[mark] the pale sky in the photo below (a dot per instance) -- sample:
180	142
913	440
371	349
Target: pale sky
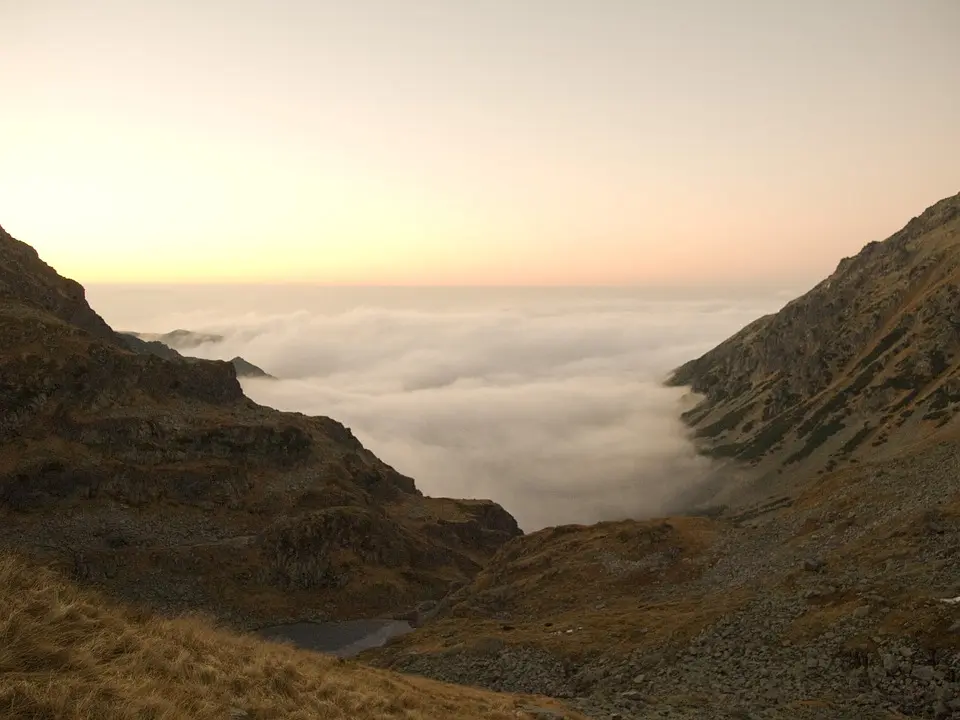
472	141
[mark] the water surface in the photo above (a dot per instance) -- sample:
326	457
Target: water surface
343	639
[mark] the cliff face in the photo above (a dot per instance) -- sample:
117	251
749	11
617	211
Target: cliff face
861	365
160	481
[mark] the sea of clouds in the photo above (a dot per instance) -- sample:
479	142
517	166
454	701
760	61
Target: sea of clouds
552	405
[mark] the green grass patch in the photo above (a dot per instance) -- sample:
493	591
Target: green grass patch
855	442
727	422
887	342
819	436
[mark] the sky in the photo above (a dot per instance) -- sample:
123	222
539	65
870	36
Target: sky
456	142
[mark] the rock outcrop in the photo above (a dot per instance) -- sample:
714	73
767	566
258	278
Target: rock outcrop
164	348
863	365
159	481
26	280
247	369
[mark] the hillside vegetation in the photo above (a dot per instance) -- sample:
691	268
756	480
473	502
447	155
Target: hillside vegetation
70	654
864	364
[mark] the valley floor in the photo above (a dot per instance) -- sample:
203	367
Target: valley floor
828	604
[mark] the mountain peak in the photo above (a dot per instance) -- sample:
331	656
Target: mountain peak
861	364
26	279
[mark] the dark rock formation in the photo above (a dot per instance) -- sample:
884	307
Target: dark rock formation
26	280
186	339
154	477
163	349
248	369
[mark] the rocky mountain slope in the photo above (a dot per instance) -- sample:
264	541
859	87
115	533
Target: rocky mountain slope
161	482
837	605
861	366
828	588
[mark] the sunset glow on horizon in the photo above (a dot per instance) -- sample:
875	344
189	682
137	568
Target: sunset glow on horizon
447	142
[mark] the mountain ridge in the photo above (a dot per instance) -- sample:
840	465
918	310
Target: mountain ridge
160	345
805	582
160	482
25	278
868	354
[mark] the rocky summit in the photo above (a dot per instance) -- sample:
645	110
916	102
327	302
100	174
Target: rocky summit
158	481
827	582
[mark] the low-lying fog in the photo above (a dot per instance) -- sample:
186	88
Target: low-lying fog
548	401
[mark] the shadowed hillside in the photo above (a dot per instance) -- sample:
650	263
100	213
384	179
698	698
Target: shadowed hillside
160	481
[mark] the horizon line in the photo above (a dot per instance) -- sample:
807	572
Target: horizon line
731	283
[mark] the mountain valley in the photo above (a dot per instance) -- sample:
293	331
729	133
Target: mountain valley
817	576
158	480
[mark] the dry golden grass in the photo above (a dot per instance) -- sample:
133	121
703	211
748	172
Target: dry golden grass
65	653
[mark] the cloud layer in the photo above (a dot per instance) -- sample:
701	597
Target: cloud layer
552	406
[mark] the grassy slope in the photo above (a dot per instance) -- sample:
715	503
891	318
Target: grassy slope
65	653
626	586
600	579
